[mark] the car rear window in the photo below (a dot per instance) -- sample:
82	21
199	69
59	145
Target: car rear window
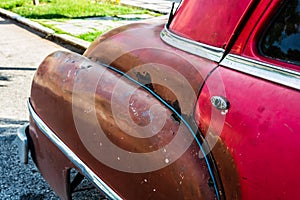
281	41
209	21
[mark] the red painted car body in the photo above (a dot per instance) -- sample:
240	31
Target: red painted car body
228	104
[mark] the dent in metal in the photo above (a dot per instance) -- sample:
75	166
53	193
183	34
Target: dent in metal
87	172
190	46
263	70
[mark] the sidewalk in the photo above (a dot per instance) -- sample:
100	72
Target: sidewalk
81	26
160	6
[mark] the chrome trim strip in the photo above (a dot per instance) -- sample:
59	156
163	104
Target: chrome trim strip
263	70
190	46
87	172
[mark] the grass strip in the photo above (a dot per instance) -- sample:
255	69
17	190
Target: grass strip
62	10
69	9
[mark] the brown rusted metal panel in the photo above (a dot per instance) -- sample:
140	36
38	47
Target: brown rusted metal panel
186	178
52	163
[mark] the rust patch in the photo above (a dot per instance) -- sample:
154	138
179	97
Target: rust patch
145	80
227	170
176	106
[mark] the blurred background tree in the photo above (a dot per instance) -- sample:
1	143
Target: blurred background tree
36	2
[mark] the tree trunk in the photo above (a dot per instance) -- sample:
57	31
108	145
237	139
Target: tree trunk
36	2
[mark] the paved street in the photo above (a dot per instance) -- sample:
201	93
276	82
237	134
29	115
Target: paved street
20	53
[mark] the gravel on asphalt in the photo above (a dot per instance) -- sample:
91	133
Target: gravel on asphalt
20	181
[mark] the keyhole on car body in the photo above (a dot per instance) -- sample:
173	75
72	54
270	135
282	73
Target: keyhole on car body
220	103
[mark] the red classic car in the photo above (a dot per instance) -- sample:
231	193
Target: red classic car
202	106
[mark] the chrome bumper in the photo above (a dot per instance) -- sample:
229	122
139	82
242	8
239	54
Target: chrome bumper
22	142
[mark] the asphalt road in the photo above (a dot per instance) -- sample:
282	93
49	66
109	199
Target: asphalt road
20	53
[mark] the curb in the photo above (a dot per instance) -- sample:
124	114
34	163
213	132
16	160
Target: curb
144	7
72	43
161	9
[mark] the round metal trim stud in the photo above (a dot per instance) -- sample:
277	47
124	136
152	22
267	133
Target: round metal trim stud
220	103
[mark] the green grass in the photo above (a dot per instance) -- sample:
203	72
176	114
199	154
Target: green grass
11	4
57	30
90	36
61	10
68	9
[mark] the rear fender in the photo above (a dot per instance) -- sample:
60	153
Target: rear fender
124	133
